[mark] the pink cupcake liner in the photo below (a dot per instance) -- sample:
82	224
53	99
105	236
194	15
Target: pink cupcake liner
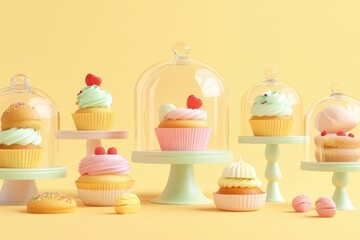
239	203
183	139
101	197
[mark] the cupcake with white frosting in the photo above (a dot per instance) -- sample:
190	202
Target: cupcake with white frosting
239	189
271	114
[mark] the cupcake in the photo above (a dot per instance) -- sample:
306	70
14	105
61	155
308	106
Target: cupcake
335	142
94	111
271	115
239	189
104	177
19	138
183	129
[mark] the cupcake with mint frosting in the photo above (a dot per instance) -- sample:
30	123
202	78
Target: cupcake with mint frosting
94	111
271	114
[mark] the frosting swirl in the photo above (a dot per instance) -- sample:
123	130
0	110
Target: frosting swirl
186	114
271	103
336	118
21	136
239	182
239	169
104	164
93	96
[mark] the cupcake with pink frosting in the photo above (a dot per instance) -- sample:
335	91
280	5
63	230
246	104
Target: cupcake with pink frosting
337	141
104	177
183	129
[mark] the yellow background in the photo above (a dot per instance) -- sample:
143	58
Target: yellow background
56	43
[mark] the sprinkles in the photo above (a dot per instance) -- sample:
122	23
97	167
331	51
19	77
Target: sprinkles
51	196
15	105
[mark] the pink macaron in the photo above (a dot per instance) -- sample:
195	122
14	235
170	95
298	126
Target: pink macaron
301	203
325	207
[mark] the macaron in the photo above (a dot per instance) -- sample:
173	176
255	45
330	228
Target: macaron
128	203
51	203
325	207
301	203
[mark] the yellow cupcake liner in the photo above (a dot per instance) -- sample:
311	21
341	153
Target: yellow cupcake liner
93	121
105	185
20	158
276	127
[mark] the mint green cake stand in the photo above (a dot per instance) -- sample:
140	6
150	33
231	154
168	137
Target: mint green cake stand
272	155
181	187
19	183
340	179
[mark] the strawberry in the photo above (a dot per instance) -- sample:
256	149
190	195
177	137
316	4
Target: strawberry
351	135
341	133
265	95
112	150
323	133
193	102
99	151
91	79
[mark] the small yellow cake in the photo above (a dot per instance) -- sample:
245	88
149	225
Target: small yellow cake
51	203
127	203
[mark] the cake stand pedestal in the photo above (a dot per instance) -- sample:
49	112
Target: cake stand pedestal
19	183
340	179
93	138
181	187
272	155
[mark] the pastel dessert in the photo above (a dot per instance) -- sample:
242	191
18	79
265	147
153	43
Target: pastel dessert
325	207
333	144
51	203
301	203
19	139
104	177
183	129
239	189
271	114
128	203
94	111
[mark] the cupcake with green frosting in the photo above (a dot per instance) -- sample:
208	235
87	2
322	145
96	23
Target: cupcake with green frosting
94	111
20	139
271	114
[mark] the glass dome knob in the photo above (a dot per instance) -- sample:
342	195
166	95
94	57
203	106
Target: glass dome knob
337	87
270	74
20	82
181	50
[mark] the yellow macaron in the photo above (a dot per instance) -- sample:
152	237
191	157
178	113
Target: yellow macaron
51	203
127	203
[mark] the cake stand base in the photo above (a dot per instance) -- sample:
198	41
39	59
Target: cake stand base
272	155
181	187
17	192
340	179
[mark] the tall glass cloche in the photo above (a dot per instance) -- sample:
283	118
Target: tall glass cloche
29	124
271	108
333	127
181	105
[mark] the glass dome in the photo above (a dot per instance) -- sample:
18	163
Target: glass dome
333	127
29	124
271	108
188	98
